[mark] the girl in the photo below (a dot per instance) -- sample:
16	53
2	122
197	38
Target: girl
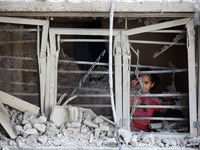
149	81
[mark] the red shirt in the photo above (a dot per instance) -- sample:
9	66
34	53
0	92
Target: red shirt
143	112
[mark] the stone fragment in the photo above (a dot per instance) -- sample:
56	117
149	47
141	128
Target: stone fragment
18	129
97	132
51	131
98	120
71	131
133	142
25	122
84	130
32	139
89	123
104	127
89	112
40	127
64	114
39	120
27	126
42	139
91	138
20	142
12	143
111	142
169	141
126	135
149	138
29	132
27	114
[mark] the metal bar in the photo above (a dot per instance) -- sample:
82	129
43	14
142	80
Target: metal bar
159	118
23	83
81	62
161	71
84	40
18	42
159	106
18	30
83	72
14	57
92	106
155	42
24	94
161	95
168	31
18	69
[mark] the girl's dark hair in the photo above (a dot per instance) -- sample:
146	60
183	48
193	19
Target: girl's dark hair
153	77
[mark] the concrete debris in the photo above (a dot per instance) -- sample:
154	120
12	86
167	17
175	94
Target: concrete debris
83	131
133	142
40	127
64	114
89	123
126	135
149	138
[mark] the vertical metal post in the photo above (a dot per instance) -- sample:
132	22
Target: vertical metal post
192	76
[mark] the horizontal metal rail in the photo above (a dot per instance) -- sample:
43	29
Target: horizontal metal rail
17	42
18	69
15	57
159	118
130	41
162	95
81	62
168	31
160	106
155	42
83	72
24	94
160	71
18	30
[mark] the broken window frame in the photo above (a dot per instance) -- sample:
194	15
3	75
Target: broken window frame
121	57
122	49
41	48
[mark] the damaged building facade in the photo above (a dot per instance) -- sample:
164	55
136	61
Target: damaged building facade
56	57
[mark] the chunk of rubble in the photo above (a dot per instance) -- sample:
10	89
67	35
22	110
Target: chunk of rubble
104	127
97	132
40	127
87	112
98	120
126	135
27	126
29	132
89	122
69	131
64	114
110	142
133	142
42	139
169	141
18	129
149	138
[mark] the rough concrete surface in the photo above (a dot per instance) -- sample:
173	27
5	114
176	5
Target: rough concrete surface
70	131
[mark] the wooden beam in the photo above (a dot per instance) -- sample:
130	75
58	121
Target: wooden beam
17	103
192	77
118	78
5	122
126	57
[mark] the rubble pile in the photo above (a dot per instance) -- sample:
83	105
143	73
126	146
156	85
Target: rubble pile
76	127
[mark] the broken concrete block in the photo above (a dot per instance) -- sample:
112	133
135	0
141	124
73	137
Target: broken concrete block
91	138
12	143
39	120
98	120
51	131
74	125
111	132
40	127
84	130
149	138
63	114
29	132
111	142
126	135
133	142
20	142
18	129
25	122
27	126
27	114
89	123
42	139
71	131
104	127
170	142
87	112
97	132
32	139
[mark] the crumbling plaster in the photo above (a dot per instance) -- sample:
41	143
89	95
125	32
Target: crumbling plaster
96	5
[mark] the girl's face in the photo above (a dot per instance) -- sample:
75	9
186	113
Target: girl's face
146	82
